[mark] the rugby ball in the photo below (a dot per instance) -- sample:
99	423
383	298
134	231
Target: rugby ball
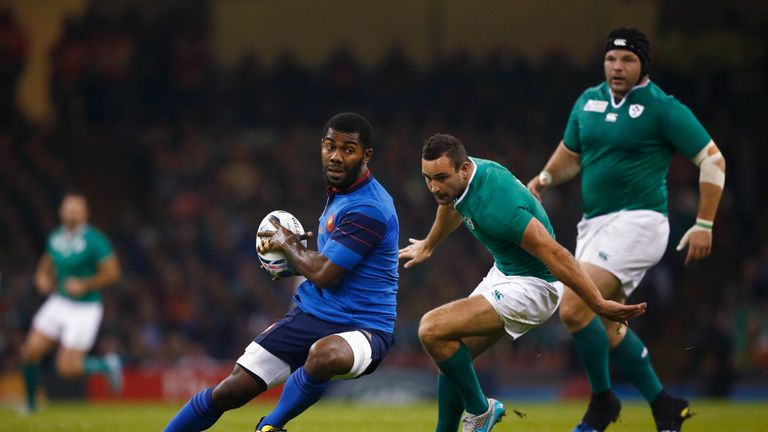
275	262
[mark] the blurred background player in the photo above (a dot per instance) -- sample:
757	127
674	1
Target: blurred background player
621	136
521	291
343	321
77	264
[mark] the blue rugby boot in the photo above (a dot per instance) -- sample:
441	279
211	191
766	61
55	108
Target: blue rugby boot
484	422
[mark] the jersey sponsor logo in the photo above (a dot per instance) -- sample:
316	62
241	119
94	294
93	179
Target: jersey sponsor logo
636	110
611	117
329	224
595	105
468	222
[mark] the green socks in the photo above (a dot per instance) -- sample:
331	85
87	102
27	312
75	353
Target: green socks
449	405
461	372
592	345
31	374
632	358
96	365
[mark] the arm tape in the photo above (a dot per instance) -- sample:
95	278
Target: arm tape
710	172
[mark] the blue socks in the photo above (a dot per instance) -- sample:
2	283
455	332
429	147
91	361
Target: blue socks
299	393
197	415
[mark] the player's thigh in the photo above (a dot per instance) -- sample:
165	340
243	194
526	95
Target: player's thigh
70	361
607	283
36	346
471	316
574	311
331	355
368	347
480	344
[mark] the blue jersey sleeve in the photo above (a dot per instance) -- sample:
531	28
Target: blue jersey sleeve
358	231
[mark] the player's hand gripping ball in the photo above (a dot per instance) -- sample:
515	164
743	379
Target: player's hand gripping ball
272	261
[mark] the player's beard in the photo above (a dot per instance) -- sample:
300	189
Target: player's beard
351	175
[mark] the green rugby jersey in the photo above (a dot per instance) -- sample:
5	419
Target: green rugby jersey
77	254
626	149
496	208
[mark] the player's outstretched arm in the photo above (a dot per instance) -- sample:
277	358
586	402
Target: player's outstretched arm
310	264
44	275
698	238
539	243
562	166
446	220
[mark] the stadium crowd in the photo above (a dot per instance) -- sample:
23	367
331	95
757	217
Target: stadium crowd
181	160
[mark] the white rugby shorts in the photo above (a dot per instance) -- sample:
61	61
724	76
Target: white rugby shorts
522	302
626	243
75	324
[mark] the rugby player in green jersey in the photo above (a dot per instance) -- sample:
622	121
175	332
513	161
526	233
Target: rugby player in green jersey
78	262
621	136
521	291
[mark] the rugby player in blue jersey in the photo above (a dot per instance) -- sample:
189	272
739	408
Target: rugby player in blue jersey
343	321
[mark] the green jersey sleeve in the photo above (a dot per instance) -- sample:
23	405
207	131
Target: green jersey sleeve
101	248
683	129
509	225
571	135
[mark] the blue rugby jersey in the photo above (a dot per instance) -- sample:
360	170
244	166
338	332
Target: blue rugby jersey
358	232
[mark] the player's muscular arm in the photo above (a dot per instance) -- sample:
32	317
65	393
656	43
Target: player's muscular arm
311	264
447	220
107	274
44	275
538	242
562	166
711	183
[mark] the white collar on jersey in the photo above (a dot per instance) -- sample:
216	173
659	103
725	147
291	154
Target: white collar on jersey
472	176
76	231
618	105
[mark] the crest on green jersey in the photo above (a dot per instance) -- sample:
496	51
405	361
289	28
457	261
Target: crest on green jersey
468	222
636	110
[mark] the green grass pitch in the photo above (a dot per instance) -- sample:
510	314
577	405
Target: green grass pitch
324	417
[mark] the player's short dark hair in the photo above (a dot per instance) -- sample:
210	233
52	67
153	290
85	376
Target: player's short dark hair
631	39
444	144
351	122
74	192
